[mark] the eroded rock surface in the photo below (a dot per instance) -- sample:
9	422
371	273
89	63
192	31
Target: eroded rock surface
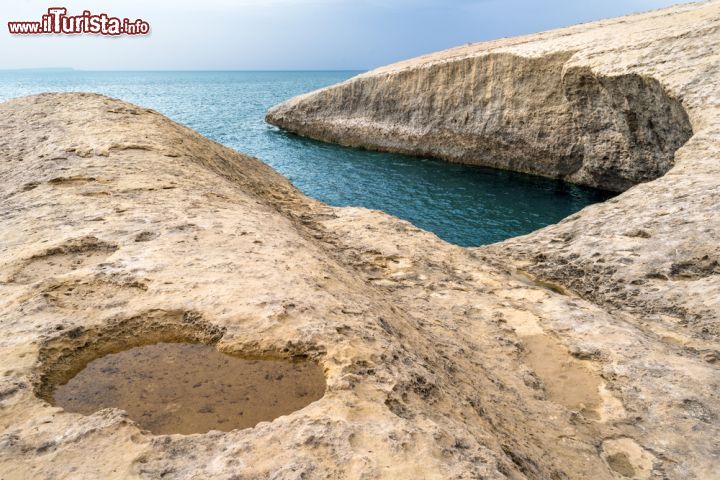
630	104
601	104
610	104
120	228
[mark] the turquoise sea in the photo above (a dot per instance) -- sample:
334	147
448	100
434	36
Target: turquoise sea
465	205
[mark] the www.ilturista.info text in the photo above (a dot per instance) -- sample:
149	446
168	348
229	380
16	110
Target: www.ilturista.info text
57	21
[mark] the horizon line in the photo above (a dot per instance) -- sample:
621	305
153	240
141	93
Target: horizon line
64	69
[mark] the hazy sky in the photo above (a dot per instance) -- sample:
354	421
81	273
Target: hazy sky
288	34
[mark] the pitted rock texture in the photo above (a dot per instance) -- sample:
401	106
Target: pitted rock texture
438	364
118	225
628	104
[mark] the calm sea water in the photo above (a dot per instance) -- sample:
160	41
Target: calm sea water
465	205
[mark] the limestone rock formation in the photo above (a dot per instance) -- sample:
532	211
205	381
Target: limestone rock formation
602	104
585	350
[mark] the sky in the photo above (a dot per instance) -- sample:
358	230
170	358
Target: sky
287	34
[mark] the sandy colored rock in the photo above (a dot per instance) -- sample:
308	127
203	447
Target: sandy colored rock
120	228
612	104
602	104
629	104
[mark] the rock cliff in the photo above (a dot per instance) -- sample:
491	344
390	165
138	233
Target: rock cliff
585	350
602	104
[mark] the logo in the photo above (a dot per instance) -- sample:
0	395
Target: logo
58	22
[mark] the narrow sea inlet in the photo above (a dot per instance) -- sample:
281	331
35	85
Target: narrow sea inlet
465	205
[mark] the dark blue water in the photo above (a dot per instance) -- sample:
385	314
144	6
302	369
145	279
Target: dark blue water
464	205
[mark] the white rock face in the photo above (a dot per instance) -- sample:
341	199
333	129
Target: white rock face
586	350
602	104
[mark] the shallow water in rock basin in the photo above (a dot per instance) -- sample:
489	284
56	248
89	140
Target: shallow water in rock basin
462	204
189	388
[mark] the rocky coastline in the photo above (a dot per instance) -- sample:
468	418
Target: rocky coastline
586	350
